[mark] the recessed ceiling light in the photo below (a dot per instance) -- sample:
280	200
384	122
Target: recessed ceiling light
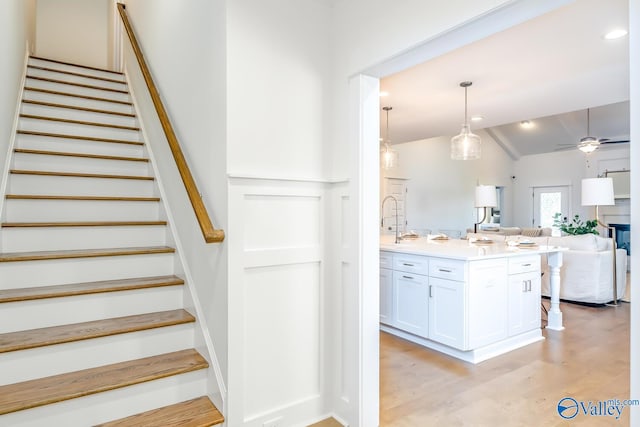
383	93
476	118
527	124
615	34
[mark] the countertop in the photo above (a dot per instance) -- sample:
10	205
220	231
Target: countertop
461	249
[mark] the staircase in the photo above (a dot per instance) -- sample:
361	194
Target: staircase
93	326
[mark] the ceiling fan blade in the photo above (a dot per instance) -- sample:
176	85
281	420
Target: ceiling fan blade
620	141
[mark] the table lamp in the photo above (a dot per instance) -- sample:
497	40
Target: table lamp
599	192
485	198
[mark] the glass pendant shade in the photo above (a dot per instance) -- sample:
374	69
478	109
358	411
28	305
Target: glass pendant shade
388	157
466	145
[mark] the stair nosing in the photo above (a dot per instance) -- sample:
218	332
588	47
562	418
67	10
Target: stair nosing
87	288
82	224
80	175
81	198
83	253
113	376
78	122
80	137
75	95
62	334
87	76
160	416
88	67
83	155
84	86
76	107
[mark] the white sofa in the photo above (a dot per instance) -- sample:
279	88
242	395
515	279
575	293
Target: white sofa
586	275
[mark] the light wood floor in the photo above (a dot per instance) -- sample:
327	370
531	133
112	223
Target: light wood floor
589	360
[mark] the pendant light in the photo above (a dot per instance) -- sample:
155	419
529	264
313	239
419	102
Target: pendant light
388	157
466	145
588	144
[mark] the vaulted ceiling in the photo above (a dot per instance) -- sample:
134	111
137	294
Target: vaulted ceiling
548	70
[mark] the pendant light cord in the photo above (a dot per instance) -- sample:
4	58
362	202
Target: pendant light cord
465	106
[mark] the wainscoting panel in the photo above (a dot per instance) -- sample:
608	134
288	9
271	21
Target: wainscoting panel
277	293
282	336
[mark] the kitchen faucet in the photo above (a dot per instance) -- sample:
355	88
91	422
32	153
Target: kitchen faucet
382	216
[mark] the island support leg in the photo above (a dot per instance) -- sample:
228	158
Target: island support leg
555	315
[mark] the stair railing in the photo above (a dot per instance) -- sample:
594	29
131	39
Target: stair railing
210	234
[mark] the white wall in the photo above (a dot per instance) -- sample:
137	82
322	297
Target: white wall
184	45
565	168
74	31
16	30
278	88
441	191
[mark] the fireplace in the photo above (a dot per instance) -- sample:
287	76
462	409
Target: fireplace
623	236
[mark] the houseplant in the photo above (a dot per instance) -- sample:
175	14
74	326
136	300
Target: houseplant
576	226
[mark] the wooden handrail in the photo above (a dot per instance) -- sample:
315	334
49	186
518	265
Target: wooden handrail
211	235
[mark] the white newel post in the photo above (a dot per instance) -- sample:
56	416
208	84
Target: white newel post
555	315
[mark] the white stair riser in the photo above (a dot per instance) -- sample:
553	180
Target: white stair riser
19	239
18	366
37	142
74	69
78	90
36	125
36	184
17	210
77	79
78	102
55	272
25	315
73	114
51	163
114	404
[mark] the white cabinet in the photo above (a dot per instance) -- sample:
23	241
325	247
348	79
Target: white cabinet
487	302
411	303
386	296
446	312
524	302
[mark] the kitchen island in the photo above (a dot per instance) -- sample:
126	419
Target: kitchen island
470	300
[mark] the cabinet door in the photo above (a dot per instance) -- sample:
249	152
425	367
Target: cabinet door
446	312
523	303
411	303
386	296
487	303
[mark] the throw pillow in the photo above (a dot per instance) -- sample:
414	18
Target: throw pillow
531	232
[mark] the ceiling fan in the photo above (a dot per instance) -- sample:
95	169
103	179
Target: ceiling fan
589	144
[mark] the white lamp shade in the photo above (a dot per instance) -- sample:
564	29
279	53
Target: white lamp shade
597	192
486	196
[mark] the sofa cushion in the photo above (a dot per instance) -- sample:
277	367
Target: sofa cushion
582	242
531	232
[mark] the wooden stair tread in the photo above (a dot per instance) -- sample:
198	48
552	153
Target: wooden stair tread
82	224
83	253
70	73
198	412
82	85
78	122
75	65
84	138
75	107
80	175
75	95
82	198
87	288
83	155
57	388
23	340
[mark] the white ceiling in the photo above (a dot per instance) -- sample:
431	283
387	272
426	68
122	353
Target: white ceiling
549	66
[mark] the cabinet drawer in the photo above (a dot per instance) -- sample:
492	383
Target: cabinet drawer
411	263
524	264
386	260
447	269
